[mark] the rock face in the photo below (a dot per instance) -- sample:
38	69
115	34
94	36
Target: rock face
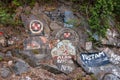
33	43
110	77
2	40
56	15
29	57
55	26
26	78
94	59
70	20
20	67
8	55
1	56
112	38
51	68
63	56
68	34
5	72
88	46
36	24
99	64
56	42
114	58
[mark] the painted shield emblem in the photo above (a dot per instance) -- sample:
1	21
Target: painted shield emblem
63	54
36	26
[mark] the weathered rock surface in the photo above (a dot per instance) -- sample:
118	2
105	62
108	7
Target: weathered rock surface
2	55
63	55
58	24
101	67
112	38
20	67
5	72
55	26
28	56
113	57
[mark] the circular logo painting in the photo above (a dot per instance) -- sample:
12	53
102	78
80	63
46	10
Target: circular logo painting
68	34
36	26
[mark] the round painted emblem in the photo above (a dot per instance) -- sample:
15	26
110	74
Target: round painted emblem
68	34
36	26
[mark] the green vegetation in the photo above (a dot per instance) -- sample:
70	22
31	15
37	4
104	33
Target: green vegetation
74	22
1	58
96	12
7	13
116	10
99	14
35	51
8	10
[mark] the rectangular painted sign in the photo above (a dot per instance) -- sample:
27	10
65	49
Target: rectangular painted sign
94	59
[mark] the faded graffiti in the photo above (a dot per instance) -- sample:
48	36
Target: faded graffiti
115	59
67	68
64	47
32	43
63	54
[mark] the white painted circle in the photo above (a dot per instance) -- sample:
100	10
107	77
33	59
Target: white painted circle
41	26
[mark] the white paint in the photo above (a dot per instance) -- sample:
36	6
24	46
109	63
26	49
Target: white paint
88	45
63	48
2	40
92	56
115	58
10	42
27	78
63	59
33	45
66	68
40	24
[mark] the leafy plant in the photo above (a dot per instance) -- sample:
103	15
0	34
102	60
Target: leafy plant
98	19
97	13
116	10
1	58
73	22
7	11
7	18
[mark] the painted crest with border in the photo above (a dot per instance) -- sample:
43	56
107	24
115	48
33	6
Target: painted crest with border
36	27
68	34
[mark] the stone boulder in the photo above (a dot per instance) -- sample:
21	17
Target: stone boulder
5	72
20	67
28	56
